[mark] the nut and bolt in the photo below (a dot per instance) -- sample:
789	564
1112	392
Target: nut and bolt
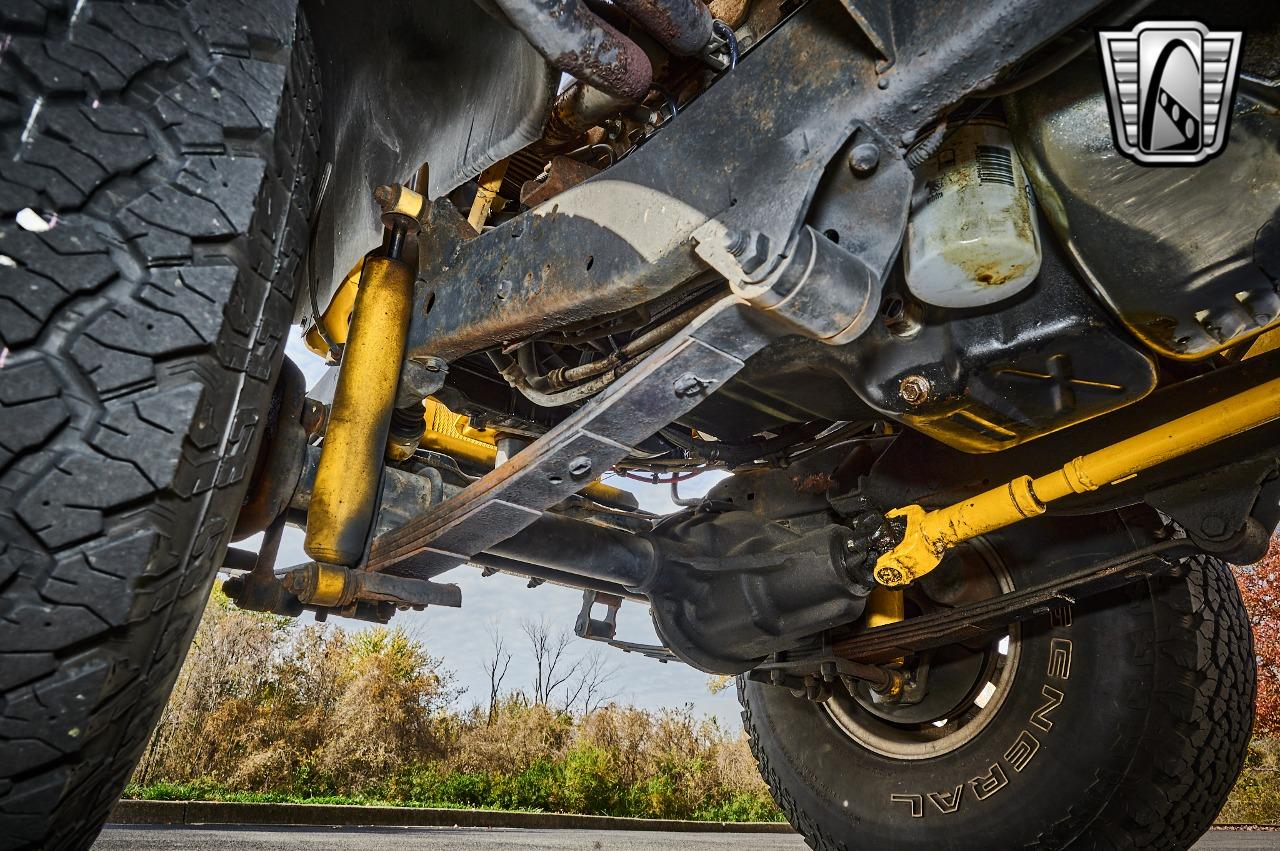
431	363
914	389
580	467
736	242
864	158
750	247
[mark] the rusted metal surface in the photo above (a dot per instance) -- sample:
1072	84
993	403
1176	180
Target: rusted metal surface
280	456
681	26
259	590
667	383
331	586
563	173
580	43
576	110
732	12
813	483
623	238
405	82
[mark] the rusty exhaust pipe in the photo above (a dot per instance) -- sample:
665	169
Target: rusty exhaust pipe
579	42
683	27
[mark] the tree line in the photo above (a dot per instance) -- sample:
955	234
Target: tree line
266	710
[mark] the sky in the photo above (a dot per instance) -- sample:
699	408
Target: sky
462	637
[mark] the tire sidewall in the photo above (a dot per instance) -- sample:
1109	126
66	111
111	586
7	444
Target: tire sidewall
1040	768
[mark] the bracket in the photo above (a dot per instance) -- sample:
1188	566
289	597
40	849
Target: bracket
605	630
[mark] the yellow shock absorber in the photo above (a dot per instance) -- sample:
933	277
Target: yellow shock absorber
929	534
885	607
350	470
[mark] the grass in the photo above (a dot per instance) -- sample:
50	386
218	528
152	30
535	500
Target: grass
1256	796
1254	800
730	811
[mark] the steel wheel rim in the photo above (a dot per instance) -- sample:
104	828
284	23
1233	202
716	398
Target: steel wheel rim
974	711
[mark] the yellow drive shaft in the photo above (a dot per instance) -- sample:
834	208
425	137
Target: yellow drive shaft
929	534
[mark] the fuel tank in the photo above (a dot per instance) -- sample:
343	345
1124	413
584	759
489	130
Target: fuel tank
1187	257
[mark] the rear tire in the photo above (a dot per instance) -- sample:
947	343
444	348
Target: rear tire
1124	725
170	149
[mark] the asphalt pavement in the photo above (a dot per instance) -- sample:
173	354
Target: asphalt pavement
186	838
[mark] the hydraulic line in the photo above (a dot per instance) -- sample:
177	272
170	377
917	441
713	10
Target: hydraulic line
571	384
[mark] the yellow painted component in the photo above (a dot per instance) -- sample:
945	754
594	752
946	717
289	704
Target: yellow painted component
1265	342
453	435
350	469
608	494
885	606
929	534
397	451
487	186
330	585
337	316
399	199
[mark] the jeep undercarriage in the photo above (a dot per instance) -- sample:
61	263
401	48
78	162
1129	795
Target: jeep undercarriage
996	401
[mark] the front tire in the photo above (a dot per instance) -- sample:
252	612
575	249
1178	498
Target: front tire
156	171
1121	722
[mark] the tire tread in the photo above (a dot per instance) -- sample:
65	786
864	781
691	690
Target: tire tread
173	149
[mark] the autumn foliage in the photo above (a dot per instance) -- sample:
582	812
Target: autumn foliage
265	710
1260	587
268	709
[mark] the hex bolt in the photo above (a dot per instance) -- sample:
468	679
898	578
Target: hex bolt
914	389
750	247
431	363
580	467
864	158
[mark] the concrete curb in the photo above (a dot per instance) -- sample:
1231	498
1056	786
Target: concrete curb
218	812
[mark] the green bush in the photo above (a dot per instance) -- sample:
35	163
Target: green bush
738	807
589	783
263	711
